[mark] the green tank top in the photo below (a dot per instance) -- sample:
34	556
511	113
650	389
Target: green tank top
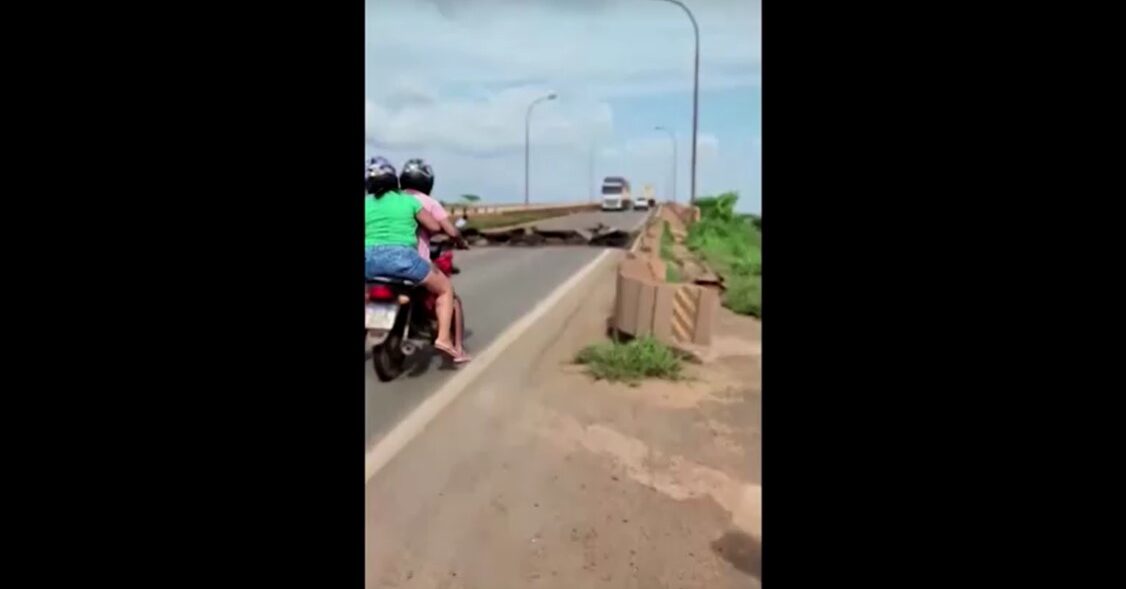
390	219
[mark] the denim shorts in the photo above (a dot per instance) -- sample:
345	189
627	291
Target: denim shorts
395	261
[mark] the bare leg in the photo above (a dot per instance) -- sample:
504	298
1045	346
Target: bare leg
437	283
459	330
459	324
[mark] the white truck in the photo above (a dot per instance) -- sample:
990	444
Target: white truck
615	194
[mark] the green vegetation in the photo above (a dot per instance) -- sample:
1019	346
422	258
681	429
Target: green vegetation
667	243
672	270
732	244
632	361
672	274
756	220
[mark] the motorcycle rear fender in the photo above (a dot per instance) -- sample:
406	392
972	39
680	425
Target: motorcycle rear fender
375	337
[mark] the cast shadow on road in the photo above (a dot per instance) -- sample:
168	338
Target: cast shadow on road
742	551
421	364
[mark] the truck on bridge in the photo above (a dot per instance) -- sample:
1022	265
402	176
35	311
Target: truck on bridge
646	201
615	194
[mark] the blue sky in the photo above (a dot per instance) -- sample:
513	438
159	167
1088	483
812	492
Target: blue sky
450	81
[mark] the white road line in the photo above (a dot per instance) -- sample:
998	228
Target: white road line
417	420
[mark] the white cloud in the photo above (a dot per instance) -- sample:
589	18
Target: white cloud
660	146
648	147
640	46
450	80
493	125
706	145
407	91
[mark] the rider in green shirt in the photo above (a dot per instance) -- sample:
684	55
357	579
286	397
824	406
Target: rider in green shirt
391	221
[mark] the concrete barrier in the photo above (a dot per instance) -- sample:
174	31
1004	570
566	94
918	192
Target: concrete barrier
674	313
678	314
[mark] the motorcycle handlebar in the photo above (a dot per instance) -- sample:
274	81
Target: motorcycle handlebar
437	247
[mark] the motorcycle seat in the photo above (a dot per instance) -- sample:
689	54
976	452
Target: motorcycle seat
390	280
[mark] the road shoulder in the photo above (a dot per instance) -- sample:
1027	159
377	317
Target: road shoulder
541	477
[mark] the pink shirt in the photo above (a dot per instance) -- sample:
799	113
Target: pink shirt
435	209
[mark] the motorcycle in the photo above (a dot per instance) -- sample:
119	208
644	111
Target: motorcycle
400	316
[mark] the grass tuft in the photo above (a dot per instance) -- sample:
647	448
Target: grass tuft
672	270
632	361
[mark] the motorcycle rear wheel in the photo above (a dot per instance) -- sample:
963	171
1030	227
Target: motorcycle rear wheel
387	358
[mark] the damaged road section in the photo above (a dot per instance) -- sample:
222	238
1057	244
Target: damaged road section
599	235
591	228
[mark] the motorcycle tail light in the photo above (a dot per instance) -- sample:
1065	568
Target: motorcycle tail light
380	292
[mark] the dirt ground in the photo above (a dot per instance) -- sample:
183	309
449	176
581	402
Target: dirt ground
545	478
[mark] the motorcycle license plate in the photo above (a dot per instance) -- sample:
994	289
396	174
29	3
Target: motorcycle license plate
380	315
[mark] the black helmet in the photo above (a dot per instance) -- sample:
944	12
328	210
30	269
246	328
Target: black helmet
417	175
380	177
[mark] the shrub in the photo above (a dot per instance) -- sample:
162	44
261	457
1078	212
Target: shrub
732	245
631	361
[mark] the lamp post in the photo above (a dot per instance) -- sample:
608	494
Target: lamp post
527	136
673	137
695	92
590	182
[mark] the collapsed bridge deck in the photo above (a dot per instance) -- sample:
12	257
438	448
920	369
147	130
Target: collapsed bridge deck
602	229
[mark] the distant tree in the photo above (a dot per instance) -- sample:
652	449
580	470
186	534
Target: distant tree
470	197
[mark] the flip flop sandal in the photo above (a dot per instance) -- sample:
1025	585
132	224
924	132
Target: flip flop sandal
450	352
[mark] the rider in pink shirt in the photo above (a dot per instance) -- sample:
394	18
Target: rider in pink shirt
417	180
436	210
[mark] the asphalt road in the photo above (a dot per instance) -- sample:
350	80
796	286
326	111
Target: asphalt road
497	285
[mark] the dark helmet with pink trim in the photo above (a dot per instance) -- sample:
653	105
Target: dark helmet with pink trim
380	176
417	175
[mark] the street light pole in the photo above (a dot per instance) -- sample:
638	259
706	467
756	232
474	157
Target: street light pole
527	137
590	182
695	92
672	136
